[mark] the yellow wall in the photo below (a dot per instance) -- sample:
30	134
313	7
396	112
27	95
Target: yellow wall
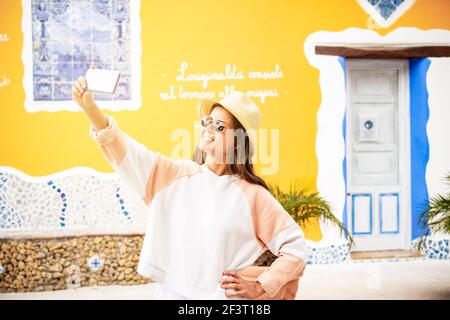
253	34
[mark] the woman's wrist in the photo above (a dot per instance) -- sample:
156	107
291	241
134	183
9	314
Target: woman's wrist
90	106
259	289
98	119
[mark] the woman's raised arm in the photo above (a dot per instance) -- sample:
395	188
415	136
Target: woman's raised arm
132	160
85	99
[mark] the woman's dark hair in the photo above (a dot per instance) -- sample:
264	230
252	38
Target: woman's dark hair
243	168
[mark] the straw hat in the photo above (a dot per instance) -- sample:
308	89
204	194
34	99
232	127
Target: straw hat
240	106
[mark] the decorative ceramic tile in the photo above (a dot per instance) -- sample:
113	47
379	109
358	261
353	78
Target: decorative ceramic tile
81	202
329	254
67	36
386	12
435	247
72	201
95	263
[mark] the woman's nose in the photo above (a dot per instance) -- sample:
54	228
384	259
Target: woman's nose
209	129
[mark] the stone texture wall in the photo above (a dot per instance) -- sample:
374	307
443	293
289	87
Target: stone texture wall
61	263
71	262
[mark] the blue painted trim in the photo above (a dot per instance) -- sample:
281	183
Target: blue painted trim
62	216
122	204
353	213
380	212
342	62
419	113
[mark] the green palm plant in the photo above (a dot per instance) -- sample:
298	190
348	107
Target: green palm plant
303	204
436	218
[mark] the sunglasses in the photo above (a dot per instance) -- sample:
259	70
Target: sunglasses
218	126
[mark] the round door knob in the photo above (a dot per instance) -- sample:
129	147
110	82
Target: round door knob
368	124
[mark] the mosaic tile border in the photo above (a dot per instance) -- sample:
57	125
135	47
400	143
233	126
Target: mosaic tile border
335	253
436	248
72	202
386	12
81	201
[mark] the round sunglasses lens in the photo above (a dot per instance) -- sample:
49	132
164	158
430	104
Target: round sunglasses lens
219	127
206	121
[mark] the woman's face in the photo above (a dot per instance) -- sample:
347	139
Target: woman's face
215	143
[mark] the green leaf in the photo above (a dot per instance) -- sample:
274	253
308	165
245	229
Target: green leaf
436	217
303	204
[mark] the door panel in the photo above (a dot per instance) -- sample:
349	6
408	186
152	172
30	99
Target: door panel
362	214
375	149
389	213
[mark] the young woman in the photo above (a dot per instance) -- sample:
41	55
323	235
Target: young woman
209	219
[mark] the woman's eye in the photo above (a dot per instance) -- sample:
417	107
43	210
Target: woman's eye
219	127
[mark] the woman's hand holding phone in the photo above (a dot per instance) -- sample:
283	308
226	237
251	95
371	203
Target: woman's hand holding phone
85	99
81	95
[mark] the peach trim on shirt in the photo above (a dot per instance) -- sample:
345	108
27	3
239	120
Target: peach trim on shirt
280	280
286	292
112	141
269	217
165	171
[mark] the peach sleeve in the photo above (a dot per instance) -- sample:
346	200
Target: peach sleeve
283	237
111	140
129	158
146	171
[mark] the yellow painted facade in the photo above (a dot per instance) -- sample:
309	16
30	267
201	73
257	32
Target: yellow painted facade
252	35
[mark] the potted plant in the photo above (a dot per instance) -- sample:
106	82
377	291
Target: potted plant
302	204
436	217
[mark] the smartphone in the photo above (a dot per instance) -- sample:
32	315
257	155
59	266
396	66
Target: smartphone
102	81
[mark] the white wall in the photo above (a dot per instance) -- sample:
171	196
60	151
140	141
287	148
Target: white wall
330	142
438	126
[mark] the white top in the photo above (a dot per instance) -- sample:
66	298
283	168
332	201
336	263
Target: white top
201	224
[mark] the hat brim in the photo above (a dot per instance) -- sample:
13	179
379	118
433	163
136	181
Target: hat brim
205	107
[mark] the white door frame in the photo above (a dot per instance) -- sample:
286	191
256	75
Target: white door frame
381	242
